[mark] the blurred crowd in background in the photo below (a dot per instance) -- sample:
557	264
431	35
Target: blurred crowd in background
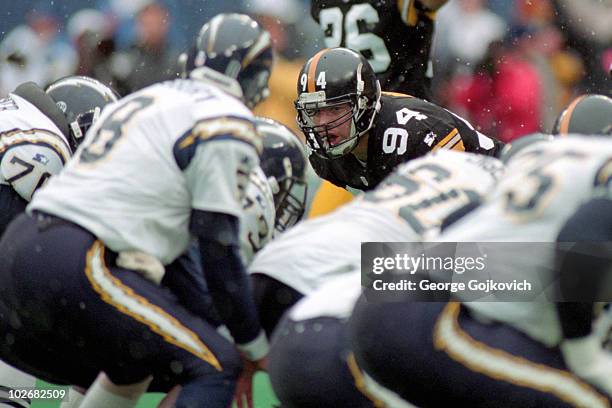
507	66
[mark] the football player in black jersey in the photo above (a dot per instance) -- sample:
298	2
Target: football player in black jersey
358	134
394	35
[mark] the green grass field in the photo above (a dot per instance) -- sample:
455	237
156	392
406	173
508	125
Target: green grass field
264	397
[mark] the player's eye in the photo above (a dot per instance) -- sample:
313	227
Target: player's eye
341	109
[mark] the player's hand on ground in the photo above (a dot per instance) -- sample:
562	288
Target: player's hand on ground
244	386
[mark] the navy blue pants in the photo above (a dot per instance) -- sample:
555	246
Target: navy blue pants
11	205
68	312
311	365
436	354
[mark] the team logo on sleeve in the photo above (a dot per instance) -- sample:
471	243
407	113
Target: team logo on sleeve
41	158
430	138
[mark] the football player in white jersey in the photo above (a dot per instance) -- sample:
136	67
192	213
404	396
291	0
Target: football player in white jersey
185	277
39	130
529	353
313	339
274	201
165	164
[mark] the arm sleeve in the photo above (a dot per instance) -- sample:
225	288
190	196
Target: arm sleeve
218	175
226	277
27	167
185	278
272	299
473	140
586	266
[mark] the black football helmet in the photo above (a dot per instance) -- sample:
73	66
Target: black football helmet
336	77
283	160
235	53
81	99
586	115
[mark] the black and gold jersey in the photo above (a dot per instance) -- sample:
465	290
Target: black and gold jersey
404	128
394	35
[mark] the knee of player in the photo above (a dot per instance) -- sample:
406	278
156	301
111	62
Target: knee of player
224	362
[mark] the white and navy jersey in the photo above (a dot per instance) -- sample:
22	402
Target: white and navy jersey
152	158
32	147
543	187
410	202
257	221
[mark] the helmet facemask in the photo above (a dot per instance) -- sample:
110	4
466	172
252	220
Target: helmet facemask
318	136
81	124
283	161
362	113
290	193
